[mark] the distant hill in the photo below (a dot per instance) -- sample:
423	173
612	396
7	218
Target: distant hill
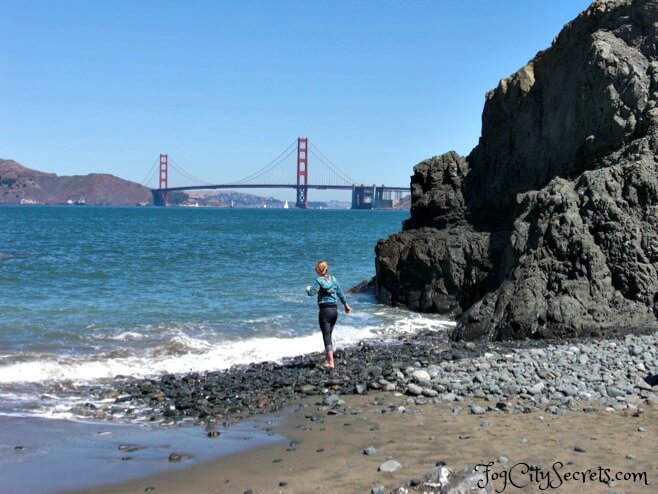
230	198
19	184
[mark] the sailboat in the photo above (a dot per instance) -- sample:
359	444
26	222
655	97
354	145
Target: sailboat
285	205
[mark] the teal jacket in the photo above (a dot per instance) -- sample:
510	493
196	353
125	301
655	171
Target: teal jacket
327	289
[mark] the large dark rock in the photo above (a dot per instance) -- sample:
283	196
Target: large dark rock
549	227
436	195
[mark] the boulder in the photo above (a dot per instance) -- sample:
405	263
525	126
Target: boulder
548	229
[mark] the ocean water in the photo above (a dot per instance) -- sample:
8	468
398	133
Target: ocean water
90	293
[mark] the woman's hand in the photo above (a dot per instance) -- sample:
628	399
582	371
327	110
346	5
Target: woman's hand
348	309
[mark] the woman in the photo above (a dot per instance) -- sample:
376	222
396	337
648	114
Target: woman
329	292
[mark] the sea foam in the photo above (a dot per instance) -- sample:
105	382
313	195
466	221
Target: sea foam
184	354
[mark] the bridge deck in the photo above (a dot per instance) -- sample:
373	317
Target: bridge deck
281	186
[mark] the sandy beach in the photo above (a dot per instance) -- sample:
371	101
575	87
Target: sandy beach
325	452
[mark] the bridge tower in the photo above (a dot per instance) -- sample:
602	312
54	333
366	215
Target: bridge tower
302	172
160	195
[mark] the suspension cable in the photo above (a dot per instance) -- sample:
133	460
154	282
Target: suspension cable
187	175
150	174
270	166
333	167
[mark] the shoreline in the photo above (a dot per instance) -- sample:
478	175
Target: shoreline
53	455
461	390
340	449
426	367
466	399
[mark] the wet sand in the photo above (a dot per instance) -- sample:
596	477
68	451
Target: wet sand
325	453
44	456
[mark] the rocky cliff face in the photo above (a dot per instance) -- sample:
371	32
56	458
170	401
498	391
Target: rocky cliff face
549	228
20	184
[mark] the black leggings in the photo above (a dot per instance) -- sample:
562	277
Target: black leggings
327	318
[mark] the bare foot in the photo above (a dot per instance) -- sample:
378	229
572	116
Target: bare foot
328	365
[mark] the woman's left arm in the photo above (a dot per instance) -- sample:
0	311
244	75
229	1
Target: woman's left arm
342	298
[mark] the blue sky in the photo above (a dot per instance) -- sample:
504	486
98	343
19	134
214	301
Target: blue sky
224	87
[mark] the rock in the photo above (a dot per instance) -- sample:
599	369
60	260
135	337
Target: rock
370	450
422	377
128	448
414	389
477	410
536	389
430	393
332	400
443	480
651	380
308	389
390	466
549	227
615	392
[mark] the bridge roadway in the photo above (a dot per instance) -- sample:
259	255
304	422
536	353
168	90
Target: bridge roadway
363	196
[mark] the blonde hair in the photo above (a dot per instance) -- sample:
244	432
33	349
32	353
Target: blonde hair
322	267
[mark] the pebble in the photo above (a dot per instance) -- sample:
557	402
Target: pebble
414	389
548	377
390	466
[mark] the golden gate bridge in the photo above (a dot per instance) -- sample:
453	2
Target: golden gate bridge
275	175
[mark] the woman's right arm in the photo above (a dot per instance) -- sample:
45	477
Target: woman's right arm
312	289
